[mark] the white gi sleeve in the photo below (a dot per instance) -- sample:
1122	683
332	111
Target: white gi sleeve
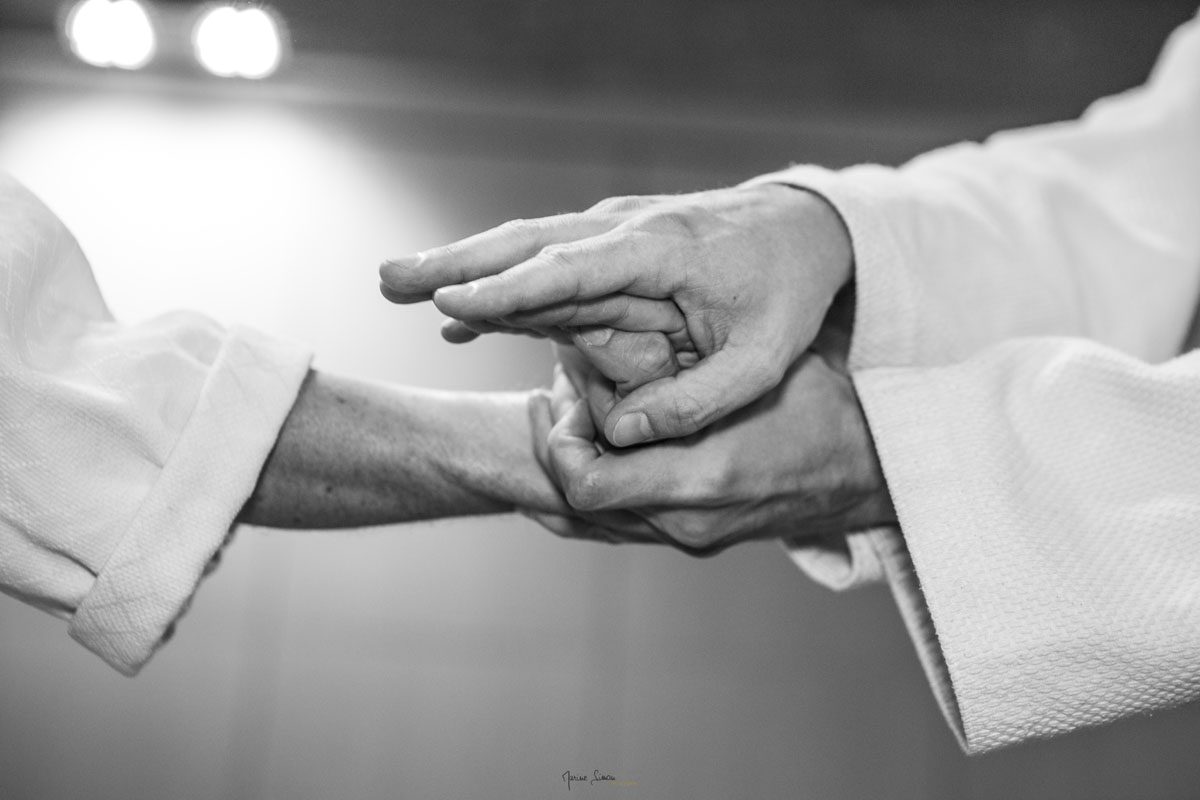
125	451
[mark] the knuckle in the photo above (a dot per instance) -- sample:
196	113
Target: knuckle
584	492
568	314
655	353
763	370
693	533
449	252
689	412
557	256
556	442
519	228
768	366
681	219
618	205
648	356
715	482
619	308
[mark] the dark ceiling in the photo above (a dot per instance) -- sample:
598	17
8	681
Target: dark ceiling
1040	57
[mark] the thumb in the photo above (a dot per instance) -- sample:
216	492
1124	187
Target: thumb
692	399
628	359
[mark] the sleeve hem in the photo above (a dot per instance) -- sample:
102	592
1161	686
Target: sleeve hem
916	465
152	574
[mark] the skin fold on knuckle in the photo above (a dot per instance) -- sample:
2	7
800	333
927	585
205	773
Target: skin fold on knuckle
680	219
558	258
656	358
618	205
631	360
714	482
684	414
519	229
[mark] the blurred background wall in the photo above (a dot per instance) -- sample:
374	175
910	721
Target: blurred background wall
483	658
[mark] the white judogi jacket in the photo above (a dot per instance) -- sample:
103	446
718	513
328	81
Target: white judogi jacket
1020	304
1048	488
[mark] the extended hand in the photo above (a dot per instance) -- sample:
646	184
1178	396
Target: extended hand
742	277
798	461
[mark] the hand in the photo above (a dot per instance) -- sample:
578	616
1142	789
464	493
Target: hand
798	461
749	273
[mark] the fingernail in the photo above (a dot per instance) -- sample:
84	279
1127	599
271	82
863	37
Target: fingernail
405	262
596	337
457	291
631	429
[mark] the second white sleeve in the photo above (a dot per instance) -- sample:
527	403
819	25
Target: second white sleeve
1083	228
1050	564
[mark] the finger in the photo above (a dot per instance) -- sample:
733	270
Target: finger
394	296
587	269
415	277
541	422
627	359
694	398
570	450
623	312
699	532
575	365
566	527
601	395
593	481
617	480
545	412
579	528
599	392
457	332
573	435
563	395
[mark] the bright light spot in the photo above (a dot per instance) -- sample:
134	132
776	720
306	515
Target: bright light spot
238	42
237	210
111	33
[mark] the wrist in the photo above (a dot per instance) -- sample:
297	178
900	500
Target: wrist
816	229
811	260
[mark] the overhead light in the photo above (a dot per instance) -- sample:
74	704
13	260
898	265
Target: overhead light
111	33
238	41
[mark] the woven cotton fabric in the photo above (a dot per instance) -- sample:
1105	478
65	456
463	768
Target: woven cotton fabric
1020	304
126	451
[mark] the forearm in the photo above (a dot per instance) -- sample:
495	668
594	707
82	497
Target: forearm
353	453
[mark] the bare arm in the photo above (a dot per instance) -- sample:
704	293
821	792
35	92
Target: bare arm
353	453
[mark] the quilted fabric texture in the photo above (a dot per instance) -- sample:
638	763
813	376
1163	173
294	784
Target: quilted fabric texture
125	451
1047	489
1048	494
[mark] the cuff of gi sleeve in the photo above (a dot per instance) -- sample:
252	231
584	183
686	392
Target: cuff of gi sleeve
867	197
837	562
151	575
871	556
905	415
